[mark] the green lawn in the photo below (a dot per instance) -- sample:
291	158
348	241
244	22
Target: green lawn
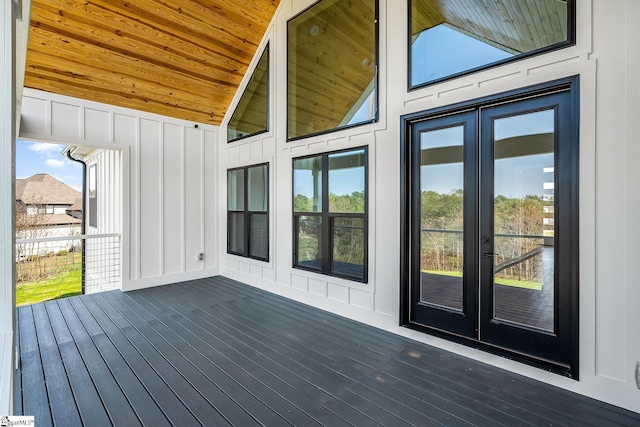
506	282
61	285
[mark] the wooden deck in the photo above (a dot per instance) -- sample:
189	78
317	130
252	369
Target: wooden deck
216	352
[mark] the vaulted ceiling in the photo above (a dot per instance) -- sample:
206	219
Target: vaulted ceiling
180	58
186	58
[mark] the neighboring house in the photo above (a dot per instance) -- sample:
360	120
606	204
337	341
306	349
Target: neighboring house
460	174
75	210
43	194
51	202
46	207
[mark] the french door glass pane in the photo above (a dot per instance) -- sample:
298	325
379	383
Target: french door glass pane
524	206
441	217
309	241
348	247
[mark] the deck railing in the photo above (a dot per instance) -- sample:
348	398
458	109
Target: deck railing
67	259
514	253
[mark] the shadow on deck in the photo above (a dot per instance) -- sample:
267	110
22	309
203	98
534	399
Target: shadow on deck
218	352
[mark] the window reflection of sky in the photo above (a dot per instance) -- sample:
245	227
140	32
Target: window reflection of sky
342	182
441	51
514	177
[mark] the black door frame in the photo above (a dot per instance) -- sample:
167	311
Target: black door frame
568	315
464	322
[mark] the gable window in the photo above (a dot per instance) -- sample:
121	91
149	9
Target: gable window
248	212
454	37
330	214
332	67
93	196
251	116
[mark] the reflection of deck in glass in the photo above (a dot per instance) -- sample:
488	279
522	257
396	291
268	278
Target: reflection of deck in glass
530	307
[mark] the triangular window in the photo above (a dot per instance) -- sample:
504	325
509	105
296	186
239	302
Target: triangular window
251	115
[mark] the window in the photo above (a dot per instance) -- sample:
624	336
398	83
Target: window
455	37
330	214
248	212
251	115
332	67
93	196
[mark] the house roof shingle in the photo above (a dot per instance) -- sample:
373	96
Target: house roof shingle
43	189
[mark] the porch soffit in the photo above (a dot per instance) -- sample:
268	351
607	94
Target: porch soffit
179	58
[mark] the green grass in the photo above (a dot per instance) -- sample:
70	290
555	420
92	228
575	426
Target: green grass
62	285
501	281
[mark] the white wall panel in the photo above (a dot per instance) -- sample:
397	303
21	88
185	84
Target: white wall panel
193	201
211	191
611	189
633	201
150	198
124	130
360	298
337	293
97	125
34	115
318	287
65	121
256	271
172	199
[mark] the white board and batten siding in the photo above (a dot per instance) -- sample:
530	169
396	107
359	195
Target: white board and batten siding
607	59
157	182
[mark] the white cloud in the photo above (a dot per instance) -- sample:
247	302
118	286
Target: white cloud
55	163
44	148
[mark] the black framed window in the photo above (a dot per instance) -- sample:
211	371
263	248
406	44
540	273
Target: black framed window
248	212
93	196
455	37
330	213
251	116
332	67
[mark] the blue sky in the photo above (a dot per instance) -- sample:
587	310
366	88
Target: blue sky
39	157
441	51
514	177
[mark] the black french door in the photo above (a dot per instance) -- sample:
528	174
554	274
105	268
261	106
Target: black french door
492	219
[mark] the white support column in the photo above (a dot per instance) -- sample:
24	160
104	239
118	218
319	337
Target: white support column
7	200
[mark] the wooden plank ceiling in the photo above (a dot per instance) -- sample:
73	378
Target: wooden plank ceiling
179	58
515	26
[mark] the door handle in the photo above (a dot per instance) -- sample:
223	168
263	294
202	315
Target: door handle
489	254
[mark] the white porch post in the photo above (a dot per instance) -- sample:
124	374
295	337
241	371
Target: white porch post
7	200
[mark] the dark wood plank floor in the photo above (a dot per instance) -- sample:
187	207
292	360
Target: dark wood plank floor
216	352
